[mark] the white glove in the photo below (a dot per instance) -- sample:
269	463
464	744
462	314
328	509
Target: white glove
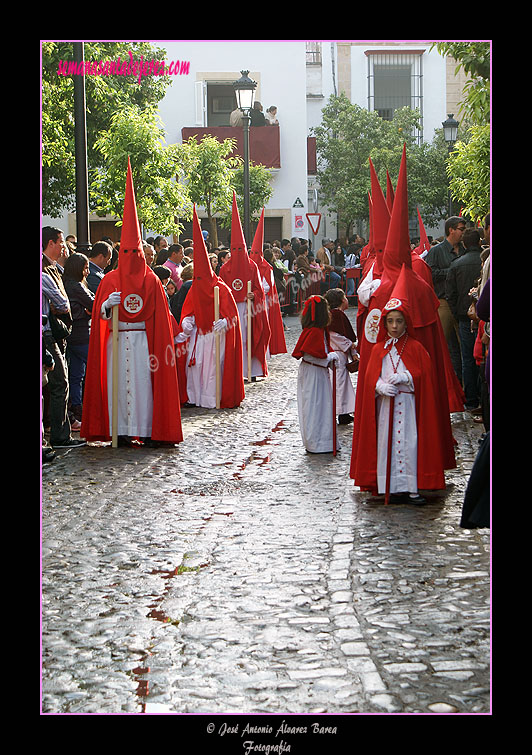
187	325
386	389
398	377
113	299
220	325
332	356
374	286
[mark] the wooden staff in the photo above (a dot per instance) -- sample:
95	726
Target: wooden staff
334	405
217	345
115	378
389	454
249	333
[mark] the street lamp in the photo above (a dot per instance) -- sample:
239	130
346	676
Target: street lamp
245	92
80	139
450	134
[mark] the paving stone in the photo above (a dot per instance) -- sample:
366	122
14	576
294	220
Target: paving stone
237	573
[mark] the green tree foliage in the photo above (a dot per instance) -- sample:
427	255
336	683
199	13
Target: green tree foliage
260	191
349	135
469	163
105	95
161	197
208	174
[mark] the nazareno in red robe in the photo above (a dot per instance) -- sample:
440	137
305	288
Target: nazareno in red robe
430	463
142	300
232	389
166	421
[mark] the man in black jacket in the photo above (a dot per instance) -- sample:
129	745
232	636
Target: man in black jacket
438	258
462	276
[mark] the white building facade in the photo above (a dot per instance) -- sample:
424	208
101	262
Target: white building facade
298	77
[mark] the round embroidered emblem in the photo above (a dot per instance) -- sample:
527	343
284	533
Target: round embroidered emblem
393	304
133	303
237	284
371	326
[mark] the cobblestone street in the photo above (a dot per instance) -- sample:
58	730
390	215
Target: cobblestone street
238	574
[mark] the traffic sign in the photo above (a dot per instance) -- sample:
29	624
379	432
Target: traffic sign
314	219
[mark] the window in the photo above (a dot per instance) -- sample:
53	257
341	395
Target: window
313	50
395	80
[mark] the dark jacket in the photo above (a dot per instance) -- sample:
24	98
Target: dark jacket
439	258
81	299
94	277
462	276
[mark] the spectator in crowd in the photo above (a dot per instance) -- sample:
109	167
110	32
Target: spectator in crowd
256	115
223	257
56	308
462	276
81	299
178	299
149	253
439	258
159	244
173	263
99	256
324	256
271	116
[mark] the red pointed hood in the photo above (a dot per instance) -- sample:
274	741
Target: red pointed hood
258	241
415	298
367	255
380	218
398	251
132	267
236	272
202	289
424	244
389	192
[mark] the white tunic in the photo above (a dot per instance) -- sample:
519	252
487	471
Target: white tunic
201	376
256	367
403	467
314	403
345	393
135	392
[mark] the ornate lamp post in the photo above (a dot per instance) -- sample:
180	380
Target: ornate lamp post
80	135
245	92
450	133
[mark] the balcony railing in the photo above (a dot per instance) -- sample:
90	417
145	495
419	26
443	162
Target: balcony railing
264	141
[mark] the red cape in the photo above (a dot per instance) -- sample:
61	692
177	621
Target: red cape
277	343
232	378
237	272
166	423
341	324
311	342
430	464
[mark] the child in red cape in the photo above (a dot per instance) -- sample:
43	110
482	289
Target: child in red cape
314	391
399	368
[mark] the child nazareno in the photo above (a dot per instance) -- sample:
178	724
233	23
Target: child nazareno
343	341
399	381
314	390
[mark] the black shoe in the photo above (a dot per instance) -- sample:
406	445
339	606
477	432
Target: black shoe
187	405
344	419
71	443
417	500
48	454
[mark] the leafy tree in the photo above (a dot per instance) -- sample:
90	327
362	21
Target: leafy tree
208	173
160	195
105	95
260	191
469	172
469	162
349	135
